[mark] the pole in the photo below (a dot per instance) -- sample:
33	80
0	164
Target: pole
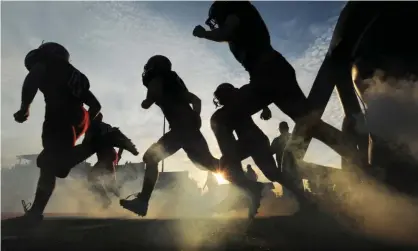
162	163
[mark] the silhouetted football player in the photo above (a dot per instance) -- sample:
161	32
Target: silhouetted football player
182	111
65	91
272	78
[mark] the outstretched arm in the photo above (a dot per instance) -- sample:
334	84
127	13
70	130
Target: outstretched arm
222	34
194	101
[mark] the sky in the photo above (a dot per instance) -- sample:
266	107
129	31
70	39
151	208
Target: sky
110	43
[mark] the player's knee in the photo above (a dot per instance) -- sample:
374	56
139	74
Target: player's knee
150	158
47	160
52	163
42	160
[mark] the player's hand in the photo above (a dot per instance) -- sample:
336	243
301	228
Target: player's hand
199	31
21	116
146	104
265	114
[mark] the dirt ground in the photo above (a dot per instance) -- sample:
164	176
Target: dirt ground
302	232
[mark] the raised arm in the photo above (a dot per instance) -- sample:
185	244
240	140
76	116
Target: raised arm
221	34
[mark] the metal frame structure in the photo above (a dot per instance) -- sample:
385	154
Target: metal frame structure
354	39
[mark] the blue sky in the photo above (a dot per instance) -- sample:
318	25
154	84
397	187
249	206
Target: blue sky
111	41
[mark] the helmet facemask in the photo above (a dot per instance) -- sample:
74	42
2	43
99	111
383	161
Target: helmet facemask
211	23
222	94
147	76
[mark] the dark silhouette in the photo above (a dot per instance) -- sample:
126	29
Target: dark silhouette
279	143
272	80
167	90
360	45
278	146
211	182
252	142
65	90
251	174
102	177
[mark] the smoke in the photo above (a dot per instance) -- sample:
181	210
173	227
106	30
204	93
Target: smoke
392	110
181	200
372	208
392	117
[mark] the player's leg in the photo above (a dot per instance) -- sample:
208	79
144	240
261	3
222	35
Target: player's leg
264	160
222	123
114	185
56	138
248	100
60	152
97	179
166	146
276	76
62	134
44	190
197	149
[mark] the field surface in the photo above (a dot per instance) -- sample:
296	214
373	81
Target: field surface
303	232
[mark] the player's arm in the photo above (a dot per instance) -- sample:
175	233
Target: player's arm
31	85
80	87
91	101
87	137
195	101
155	88
29	89
120	151
224	33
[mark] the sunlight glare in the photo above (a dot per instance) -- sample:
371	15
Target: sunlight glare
220	178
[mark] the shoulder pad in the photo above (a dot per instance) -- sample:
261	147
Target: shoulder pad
78	83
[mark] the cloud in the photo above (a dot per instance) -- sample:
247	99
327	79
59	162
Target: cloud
110	42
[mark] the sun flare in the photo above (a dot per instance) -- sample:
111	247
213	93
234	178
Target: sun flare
220	179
